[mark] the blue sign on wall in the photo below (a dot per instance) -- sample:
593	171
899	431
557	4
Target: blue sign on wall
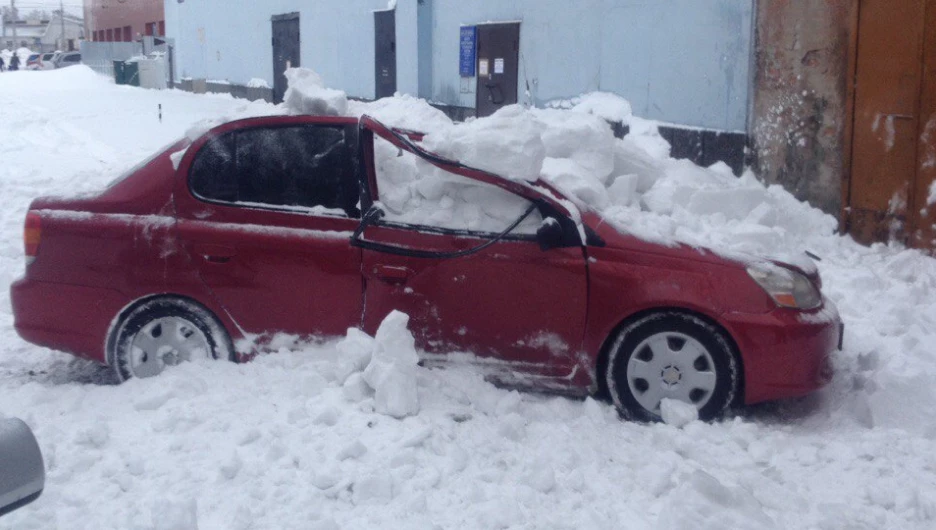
467	42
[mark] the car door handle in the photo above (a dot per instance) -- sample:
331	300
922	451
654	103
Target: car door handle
391	274
215	253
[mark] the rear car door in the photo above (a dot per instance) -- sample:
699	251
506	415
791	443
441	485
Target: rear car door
265	209
513	305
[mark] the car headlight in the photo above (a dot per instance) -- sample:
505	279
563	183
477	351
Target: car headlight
787	288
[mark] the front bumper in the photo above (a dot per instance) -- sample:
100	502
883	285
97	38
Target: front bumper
786	353
70	318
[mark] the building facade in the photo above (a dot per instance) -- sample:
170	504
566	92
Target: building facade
45	35
765	83
123	20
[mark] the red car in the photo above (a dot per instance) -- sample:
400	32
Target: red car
277	224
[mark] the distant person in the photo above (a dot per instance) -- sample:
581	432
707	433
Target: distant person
14	63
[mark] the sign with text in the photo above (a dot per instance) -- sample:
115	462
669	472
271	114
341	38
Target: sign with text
467	45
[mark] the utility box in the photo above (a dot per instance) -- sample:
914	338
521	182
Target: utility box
126	73
152	72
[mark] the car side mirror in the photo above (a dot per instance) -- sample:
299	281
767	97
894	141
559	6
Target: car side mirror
22	472
550	234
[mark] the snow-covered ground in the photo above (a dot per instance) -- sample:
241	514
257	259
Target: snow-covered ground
299	439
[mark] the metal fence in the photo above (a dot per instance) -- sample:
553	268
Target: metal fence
100	56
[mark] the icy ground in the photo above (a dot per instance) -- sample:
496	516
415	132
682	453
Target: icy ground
295	440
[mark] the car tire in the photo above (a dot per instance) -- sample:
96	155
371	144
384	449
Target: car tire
672	355
163	332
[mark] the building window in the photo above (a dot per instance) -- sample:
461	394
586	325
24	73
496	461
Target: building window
162	28
109	36
150	28
126	34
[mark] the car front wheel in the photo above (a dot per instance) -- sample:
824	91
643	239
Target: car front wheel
165	332
676	356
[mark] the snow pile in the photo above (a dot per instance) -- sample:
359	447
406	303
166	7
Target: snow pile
931	200
307	94
390	371
295	440
678	413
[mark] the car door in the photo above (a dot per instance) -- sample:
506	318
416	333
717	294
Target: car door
511	303
265	209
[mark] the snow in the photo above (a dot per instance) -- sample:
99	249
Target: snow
307	94
931	199
277	443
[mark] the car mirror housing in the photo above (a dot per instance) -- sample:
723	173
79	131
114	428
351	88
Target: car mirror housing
550	234
22	471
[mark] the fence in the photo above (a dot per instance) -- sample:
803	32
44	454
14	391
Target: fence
100	56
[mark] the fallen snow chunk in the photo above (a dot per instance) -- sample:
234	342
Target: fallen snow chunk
678	413
353	451
512	427
328	523
392	369
418	438
585	140
95	436
605	105
328	417
256	82
623	190
231	466
373	489
307	94
508	143
703	502
175	515
355	351
732	203
575	181
324	479
153	401
542	478
355	388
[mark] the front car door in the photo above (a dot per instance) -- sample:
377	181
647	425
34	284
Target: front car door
511	304
265	209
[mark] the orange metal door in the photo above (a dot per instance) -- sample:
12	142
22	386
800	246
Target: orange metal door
885	145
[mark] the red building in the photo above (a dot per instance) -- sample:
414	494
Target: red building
123	20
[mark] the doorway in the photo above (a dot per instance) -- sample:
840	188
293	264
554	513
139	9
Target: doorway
893	155
385	53
286	44
498	66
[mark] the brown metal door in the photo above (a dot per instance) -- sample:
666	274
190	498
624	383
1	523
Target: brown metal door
925	234
498	66
887	118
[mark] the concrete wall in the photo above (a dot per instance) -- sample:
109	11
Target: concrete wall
680	61
801	99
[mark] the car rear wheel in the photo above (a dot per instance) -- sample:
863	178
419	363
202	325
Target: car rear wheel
672	355
165	332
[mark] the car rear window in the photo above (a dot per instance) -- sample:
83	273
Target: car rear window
71	58
295	166
47	56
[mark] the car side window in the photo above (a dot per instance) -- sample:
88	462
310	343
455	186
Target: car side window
287	167
414	192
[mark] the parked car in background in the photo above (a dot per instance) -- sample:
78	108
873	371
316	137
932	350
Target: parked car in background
284	224
34	62
67	59
22	471
47	60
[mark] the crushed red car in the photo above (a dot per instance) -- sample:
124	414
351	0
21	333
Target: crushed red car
288	224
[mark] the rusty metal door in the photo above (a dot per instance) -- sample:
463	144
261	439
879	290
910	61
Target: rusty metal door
498	66
886	148
286	45
924	204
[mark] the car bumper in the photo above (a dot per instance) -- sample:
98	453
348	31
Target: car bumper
786	353
70	318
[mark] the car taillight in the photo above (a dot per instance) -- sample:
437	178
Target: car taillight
31	235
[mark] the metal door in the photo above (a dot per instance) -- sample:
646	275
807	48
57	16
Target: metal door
385	53
887	122
924	235
286	43
498	66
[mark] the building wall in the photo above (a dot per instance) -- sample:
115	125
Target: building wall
680	61
217	43
801	98
114	14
